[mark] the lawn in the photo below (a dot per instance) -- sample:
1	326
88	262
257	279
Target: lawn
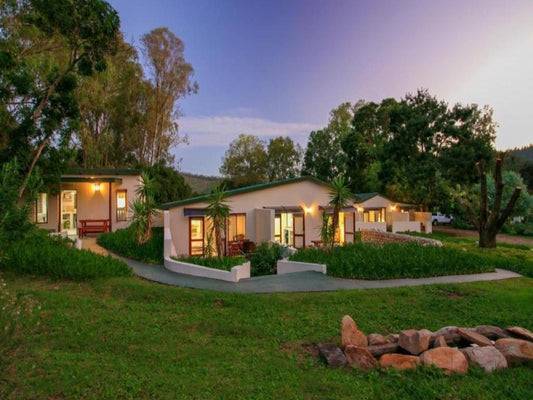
128	338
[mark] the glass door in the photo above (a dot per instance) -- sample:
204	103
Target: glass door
69	212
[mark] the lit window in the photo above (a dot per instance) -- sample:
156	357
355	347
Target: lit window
42	208
237	227
122	202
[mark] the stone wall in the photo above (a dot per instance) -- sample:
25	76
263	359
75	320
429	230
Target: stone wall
376	237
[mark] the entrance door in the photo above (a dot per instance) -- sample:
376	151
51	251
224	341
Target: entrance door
69	212
299	231
349	227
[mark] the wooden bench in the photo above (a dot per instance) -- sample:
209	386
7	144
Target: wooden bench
93	226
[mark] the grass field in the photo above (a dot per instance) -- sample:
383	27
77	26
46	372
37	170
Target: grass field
127	338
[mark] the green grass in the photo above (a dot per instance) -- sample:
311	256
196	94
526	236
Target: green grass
123	242
223	263
127	338
514	257
393	260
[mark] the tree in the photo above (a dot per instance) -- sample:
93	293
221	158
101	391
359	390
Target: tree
218	210
490	219
170	77
144	209
44	47
339	197
284	158
168	184
246	161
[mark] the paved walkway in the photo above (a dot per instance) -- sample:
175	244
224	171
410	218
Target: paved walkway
298	282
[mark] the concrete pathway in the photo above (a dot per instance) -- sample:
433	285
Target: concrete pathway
298	282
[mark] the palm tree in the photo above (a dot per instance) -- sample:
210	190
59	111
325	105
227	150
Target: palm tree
339	197
144	208
218	211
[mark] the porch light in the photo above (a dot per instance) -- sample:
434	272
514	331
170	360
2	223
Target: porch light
308	210
393	208
96	187
360	209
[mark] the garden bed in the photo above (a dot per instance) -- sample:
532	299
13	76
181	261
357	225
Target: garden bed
393	260
124	243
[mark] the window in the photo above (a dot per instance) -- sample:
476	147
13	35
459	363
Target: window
196	236
122	208
374	215
41	208
237	227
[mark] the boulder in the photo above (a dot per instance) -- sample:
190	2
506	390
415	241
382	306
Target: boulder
415	342
474	337
449	333
360	358
381	349
350	335
332	354
375	339
399	361
492	332
522	333
439	342
446	358
488	358
515	351
393	337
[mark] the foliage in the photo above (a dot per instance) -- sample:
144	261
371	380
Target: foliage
124	243
167	183
524	204
339	195
394	260
218	210
170	77
223	263
521	229
144	209
263	261
284	158
40	254
84	351
327	234
46	46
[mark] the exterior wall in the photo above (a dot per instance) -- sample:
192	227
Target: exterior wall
306	194
93	204
425	218
370	226
405	226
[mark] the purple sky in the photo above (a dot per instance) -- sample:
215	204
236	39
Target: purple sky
278	67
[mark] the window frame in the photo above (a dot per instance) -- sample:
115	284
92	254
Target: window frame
125	191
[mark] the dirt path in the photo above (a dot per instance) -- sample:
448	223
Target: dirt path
500	238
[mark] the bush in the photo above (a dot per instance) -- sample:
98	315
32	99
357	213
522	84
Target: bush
263	260
521	229
223	263
41	254
394	260
124	242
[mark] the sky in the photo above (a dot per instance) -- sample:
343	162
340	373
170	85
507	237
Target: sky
270	67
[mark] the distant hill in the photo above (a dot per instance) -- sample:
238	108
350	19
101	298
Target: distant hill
524	154
521	160
201	184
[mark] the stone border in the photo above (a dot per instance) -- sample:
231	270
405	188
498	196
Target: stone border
288	267
235	275
375	237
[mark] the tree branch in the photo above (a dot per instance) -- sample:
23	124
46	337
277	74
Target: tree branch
510	207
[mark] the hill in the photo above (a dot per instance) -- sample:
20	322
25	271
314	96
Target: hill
201	184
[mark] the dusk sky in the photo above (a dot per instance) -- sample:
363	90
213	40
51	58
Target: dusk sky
273	68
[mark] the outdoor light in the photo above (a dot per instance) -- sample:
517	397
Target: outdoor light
393	208
96	187
309	210
360	209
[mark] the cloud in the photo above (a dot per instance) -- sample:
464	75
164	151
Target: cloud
221	130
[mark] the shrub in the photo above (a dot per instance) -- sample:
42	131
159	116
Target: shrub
223	263
41	254
124	242
394	260
263	260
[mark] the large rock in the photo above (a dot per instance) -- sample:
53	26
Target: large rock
415	342
522	333
332	354
515	351
440	342
393	337
399	361
492	332
381	349
446	358
375	339
488	358
474	337
350	335
449	333
360	358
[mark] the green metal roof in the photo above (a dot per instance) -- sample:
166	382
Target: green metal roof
246	189
102	171
82	179
360	197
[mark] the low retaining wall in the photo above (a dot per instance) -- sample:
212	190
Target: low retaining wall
288	267
235	275
387	237
371	226
405	226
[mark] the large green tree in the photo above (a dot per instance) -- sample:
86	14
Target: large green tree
246	161
44	47
284	158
